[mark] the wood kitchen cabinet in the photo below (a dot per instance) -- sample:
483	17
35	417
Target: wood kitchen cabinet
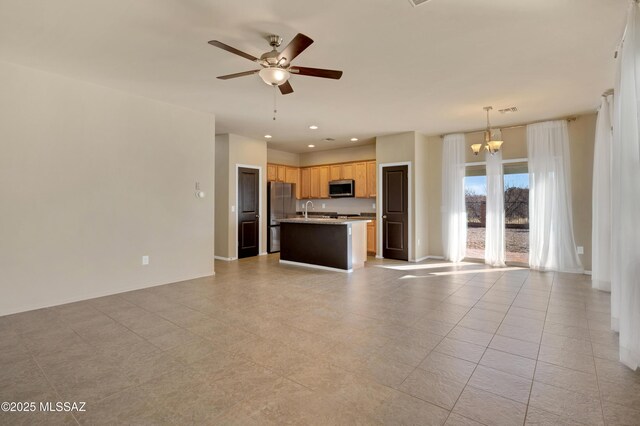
282	173
305	183
293	176
371	179
315	182
360	180
336	172
272	172
324	181
348	171
371	237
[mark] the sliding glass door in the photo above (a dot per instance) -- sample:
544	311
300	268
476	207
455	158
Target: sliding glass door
475	195
516	211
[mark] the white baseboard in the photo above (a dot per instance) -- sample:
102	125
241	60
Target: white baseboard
309	265
264	253
428	257
226	259
587	272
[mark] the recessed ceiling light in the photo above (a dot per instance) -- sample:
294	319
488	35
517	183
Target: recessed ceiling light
313	127
268	136
328	139
311	146
354	139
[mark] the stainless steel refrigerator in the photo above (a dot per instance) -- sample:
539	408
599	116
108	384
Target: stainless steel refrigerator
281	204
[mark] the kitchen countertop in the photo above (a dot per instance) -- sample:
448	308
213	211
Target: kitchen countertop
324	221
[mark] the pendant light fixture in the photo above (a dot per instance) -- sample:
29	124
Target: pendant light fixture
492	138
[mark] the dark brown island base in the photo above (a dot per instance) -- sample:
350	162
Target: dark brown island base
338	244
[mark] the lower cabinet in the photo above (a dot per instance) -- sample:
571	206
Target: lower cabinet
371	237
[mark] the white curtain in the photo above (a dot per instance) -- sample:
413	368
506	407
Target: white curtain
625	196
601	210
494	242
454	211
551	241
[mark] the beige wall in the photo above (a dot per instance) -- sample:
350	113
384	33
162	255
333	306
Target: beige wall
92	179
581	143
281	157
222	196
341	155
240	151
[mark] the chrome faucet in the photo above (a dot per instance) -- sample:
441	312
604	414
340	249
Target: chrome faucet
306	209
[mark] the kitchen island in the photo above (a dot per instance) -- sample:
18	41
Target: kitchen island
336	244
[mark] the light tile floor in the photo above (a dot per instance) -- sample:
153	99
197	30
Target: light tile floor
392	343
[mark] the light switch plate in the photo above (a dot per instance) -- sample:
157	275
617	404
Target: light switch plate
145	260
580	250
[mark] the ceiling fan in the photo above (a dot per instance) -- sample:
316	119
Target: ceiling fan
276	66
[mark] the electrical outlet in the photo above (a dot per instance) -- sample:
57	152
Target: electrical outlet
324	206
373	205
233	209
145	260
580	250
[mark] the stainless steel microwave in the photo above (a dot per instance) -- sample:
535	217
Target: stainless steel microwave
341	188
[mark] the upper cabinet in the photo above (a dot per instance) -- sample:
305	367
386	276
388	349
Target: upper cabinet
272	173
361	180
371	179
313	182
305	183
348	171
336	172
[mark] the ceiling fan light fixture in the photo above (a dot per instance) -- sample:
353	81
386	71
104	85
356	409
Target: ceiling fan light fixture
274	76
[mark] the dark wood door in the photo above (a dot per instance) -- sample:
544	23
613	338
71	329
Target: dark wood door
395	212
248	212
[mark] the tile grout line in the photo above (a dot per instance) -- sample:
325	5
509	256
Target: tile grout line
51	384
535	367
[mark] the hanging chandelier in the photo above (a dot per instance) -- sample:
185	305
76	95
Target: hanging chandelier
492	138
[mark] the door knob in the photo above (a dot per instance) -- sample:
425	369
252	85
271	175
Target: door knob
384	217
258	215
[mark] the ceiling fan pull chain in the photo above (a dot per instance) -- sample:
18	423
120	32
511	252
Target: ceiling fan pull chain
275	100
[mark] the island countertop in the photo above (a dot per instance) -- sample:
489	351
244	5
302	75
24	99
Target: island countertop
324	221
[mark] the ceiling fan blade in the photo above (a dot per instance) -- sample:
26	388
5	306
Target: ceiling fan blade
233	50
299	43
285	88
316	72
238	74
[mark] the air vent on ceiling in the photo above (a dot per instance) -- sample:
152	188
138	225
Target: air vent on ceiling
328	139
508	110
415	3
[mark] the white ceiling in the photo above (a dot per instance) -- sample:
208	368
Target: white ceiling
429	68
